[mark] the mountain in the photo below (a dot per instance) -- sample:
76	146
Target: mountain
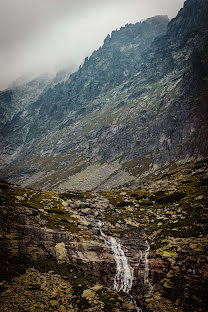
119	250
129	130
15	102
136	106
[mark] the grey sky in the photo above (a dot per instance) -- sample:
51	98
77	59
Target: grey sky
38	36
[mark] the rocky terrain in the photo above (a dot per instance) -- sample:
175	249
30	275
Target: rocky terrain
103	197
14	103
137	105
59	251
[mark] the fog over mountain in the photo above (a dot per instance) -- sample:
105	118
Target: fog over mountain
104	171
44	36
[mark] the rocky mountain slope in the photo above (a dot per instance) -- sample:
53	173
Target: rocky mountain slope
14	102
142	249
137	105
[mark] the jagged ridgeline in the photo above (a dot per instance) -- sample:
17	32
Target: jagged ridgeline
129	131
136	105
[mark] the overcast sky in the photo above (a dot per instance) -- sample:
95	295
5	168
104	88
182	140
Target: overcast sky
38	36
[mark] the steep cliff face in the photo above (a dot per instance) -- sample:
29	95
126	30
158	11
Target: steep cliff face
122	250
14	106
138	104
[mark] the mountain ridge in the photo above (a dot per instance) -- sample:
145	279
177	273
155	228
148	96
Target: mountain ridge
108	208
123	114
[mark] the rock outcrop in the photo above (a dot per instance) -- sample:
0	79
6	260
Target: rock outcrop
137	105
79	245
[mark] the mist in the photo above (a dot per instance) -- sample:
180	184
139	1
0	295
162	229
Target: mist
39	36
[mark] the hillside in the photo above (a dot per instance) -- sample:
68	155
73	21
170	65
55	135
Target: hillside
137	106
104	176
128	250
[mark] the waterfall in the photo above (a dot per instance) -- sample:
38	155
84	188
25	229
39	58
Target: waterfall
146	269
133	301
124	277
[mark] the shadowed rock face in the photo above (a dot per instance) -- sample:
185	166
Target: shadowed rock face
138	104
159	231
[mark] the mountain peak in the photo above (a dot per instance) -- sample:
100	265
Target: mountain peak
191	19
136	105
158	18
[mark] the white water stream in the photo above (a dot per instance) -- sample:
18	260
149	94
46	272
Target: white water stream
146	269
123	279
133	301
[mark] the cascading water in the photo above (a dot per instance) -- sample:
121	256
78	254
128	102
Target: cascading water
146	269
123	279
133	301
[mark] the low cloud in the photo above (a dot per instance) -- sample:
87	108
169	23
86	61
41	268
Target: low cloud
40	36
